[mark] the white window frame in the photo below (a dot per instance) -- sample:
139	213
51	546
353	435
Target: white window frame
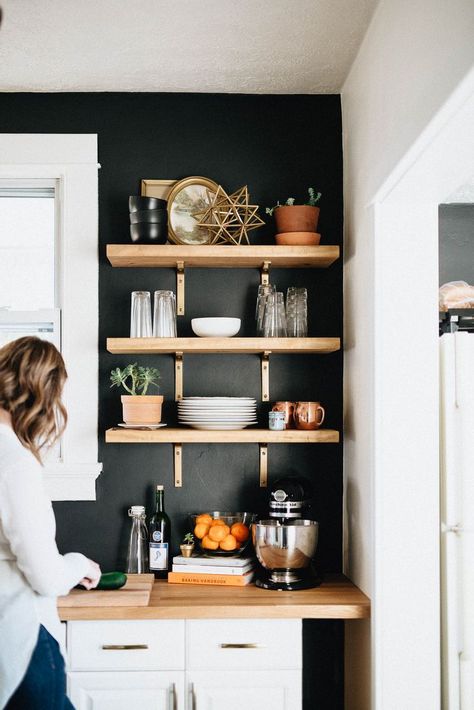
71	161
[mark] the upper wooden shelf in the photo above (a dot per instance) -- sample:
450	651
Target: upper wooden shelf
124	346
222	256
184	435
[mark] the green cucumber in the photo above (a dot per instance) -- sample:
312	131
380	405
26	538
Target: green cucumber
112	580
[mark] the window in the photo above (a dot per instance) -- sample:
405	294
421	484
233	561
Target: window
29	302
49	281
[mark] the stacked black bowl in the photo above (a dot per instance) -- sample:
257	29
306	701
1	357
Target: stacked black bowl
148	220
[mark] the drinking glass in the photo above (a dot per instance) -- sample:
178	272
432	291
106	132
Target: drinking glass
164	315
140	315
263	291
297	312
274	318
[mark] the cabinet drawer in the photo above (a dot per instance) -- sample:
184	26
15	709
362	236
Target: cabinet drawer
243	644
125	645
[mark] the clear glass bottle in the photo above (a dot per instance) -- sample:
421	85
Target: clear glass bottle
137	557
159	537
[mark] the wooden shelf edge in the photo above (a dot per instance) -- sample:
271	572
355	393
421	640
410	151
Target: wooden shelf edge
221	256
183	435
245	346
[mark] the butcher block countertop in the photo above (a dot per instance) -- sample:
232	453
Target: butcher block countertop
336	598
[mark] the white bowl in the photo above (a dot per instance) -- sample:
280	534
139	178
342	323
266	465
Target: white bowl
215	327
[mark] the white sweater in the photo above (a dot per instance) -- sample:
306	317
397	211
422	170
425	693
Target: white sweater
32	572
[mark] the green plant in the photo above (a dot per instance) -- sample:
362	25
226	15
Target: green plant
188	539
135	380
313	199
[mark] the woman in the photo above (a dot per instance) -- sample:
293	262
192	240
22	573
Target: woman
32	572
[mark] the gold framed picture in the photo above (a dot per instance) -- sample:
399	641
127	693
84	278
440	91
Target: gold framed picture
188	198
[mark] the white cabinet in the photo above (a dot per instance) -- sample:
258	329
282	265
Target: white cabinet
244	690
211	664
155	645
131	690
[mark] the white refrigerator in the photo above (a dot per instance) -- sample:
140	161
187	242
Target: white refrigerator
457	519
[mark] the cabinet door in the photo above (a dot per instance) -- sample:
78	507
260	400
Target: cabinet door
244	690
153	690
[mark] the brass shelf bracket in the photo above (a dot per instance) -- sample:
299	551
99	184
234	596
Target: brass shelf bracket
178	376
178	465
263	465
265	273
180	288
265	366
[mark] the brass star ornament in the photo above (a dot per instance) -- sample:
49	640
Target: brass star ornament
229	218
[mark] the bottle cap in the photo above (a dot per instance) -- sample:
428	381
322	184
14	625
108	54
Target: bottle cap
137	510
160	488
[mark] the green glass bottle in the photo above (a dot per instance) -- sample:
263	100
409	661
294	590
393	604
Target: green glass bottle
160	533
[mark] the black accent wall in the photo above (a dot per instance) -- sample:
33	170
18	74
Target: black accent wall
278	146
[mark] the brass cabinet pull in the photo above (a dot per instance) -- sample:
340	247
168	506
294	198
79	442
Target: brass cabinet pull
240	645
174	699
125	647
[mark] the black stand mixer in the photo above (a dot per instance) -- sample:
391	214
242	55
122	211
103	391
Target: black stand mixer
285	542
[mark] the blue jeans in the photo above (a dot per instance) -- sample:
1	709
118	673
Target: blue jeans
44	684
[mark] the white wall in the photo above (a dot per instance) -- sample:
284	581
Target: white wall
413	57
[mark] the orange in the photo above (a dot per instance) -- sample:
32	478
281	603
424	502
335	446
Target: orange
209	544
218	532
228	543
240	532
204	518
200	530
217	521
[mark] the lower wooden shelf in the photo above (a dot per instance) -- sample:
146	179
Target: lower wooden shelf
182	435
179	436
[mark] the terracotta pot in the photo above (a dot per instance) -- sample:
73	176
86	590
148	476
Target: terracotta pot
296	218
308	415
141	409
287	408
301	239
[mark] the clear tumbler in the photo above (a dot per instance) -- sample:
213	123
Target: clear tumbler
140	315
164	315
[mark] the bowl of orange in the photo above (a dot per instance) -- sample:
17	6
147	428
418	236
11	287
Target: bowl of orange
218	533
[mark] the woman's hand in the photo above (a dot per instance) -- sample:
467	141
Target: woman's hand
92	579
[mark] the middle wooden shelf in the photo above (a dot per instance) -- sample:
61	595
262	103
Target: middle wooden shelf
237	346
200	346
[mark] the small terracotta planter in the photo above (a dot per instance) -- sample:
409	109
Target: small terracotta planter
142	409
296	218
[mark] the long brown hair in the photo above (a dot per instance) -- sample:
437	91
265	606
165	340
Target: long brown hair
32	376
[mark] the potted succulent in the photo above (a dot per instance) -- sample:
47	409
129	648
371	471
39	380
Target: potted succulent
187	546
297	218
138	406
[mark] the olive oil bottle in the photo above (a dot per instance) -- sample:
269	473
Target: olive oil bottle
159	537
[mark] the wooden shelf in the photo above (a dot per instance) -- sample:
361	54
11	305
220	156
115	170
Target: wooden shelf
204	256
183	435
257	346
336	598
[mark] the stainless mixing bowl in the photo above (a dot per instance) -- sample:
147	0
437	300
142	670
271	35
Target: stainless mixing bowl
285	549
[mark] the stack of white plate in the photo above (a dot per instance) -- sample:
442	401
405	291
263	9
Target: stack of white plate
217	412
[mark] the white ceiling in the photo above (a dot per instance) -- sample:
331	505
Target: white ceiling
235	46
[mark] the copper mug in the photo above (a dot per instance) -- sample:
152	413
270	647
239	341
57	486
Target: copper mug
288	408
308	415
